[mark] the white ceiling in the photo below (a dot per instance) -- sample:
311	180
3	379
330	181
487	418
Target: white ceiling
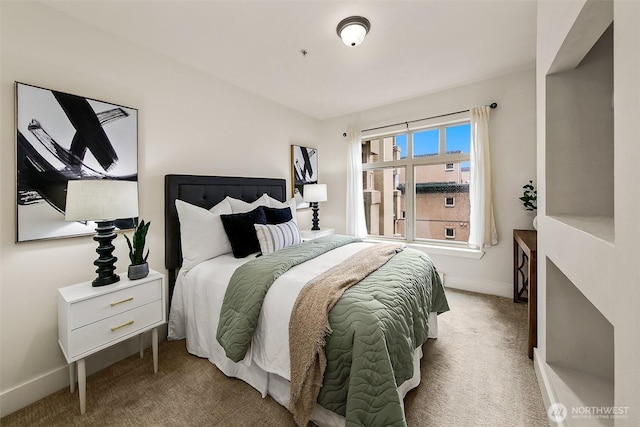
413	48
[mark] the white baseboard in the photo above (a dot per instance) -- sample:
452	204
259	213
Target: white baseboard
31	391
548	395
501	289
42	386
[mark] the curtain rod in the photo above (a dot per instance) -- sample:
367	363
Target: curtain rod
492	105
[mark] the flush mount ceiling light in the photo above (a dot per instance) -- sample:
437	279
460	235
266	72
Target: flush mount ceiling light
353	29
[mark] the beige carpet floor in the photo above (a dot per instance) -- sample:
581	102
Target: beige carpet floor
476	373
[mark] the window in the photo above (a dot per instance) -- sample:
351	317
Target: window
449	201
407	175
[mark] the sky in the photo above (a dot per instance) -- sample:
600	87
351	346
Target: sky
458	138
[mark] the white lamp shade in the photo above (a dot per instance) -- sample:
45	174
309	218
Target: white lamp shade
353	34
101	200
314	193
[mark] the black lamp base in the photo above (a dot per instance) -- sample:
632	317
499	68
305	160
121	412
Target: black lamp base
104	235
315	221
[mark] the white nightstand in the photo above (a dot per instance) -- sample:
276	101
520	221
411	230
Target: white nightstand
92	319
310	234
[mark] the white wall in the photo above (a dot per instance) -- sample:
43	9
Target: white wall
513	136
188	123
627	177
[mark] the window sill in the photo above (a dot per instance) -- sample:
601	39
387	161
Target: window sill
437	249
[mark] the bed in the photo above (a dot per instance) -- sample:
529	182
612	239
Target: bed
247	314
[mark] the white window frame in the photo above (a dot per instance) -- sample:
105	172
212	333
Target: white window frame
453	201
409	163
452	236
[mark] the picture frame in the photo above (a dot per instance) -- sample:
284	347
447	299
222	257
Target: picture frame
304	170
62	137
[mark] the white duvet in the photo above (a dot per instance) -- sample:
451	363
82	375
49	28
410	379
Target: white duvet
198	296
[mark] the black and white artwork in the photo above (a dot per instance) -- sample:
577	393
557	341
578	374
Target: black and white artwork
62	137
304	168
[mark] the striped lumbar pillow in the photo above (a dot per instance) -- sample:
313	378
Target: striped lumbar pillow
273	237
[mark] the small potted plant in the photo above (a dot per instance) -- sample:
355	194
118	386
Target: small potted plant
529	197
530	200
139	267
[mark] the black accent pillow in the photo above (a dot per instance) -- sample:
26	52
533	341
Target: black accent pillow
277	215
241	232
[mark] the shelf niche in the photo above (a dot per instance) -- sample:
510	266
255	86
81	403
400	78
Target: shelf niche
580	346
579	136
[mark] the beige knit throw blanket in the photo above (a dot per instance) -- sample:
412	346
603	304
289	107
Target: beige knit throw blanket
309	324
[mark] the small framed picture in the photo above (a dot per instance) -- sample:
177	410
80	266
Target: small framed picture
304	170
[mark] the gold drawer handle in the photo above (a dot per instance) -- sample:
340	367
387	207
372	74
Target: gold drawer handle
113	304
115	328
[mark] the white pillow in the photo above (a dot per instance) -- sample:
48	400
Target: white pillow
273	237
202	234
221	208
240	206
291	204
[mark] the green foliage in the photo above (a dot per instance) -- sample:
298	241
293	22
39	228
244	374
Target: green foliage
136	248
529	197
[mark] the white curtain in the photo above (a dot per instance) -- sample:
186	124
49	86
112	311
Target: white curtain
482	231
356	225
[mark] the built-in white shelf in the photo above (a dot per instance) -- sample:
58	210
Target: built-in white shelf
582	248
579	149
600	227
587	355
580	393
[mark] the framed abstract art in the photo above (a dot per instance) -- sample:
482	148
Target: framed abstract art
62	137
304	170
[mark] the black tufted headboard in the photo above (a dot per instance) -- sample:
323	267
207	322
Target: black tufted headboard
206	192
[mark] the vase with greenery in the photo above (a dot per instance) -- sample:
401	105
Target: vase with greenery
139	267
530	200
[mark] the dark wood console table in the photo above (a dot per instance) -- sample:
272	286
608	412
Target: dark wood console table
525	246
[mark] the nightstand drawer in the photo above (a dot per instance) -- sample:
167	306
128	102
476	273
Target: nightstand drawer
101	307
106	331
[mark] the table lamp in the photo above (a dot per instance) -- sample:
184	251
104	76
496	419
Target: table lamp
102	201
314	193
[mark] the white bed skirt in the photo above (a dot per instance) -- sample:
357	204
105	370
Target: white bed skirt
278	388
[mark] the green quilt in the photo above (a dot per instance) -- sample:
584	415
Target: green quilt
249	285
377	325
